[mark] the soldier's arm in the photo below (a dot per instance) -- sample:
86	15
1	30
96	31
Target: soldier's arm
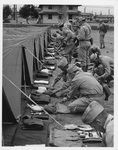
73	91
68	37
57	79
65	86
107	70
93	69
82	34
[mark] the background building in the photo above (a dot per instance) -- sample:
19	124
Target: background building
58	13
88	16
106	18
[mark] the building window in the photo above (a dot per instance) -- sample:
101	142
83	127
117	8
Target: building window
49	16
50	7
60	16
70	17
70	7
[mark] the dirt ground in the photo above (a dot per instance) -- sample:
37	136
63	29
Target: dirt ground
109	105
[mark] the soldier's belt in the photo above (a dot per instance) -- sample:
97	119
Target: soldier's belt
84	40
92	95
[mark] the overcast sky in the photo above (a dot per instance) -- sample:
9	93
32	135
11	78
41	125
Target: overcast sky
97	9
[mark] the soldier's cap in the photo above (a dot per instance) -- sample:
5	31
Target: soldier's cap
94	46
61	24
63	63
91	112
101	20
76	18
75	24
81	19
93	56
72	68
54	34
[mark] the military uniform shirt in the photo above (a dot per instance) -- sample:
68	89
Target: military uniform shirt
85	84
107	62
109	133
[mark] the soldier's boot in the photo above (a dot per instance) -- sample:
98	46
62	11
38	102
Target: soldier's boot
100	45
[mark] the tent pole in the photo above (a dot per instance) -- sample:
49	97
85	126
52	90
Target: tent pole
32	101
24	74
36	58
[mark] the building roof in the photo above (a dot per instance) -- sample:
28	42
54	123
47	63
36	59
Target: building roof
86	14
73	12
60	5
104	16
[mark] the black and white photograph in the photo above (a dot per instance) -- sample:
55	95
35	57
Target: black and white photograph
58	73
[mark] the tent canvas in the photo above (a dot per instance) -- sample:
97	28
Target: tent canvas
13	40
25	72
38	47
7	114
29	44
17	71
12	70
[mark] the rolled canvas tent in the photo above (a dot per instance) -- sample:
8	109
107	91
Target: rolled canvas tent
14	39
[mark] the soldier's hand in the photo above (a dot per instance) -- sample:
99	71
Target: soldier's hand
100	79
53	93
64	99
51	87
64	44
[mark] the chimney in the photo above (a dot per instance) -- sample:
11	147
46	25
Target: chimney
100	12
84	9
108	11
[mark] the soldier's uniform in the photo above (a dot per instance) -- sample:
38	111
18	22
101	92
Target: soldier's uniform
84	44
104	67
68	41
66	86
87	88
57	39
67	24
91	113
63	63
101	27
109	136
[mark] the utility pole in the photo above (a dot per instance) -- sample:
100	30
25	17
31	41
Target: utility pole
84	9
108	11
15	13
100	12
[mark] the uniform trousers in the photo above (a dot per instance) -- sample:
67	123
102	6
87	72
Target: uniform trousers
80	104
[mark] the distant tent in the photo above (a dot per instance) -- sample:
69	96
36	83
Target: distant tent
35	63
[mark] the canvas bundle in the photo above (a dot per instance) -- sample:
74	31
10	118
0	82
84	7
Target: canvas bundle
50	62
40	98
33	123
42	75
